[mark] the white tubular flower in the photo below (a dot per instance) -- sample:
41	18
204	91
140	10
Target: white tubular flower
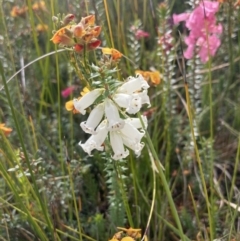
145	98
135	104
96	141
133	84
93	120
122	99
135	146
132	94
112	114
132	103
87	100
117	146
136	122
132	133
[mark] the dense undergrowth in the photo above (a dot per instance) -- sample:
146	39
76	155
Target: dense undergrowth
50	189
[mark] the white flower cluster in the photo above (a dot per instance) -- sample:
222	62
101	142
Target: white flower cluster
131	95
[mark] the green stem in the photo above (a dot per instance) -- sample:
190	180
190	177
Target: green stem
59	114
210	171
135	189
40	200
124	196
164	183
75	203
235	170
198	159
230	47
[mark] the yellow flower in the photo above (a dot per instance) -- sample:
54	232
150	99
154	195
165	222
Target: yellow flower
69	104
117	236
70	107
113	52
127	239
40	5
5	129
132	232
84	91
41	28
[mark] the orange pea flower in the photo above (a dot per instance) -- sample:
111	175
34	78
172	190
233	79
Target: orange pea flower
94	44
78	31
90	46
64	36
79	36
18	11
88	21
96	31
5	129
155	77
152	76
68	18
78	48
113	52
237	3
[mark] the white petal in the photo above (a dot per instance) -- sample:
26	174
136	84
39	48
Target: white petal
135	146
133	84
89	145
93	120
132	133
136	122
135	104
145	98
117	146
122	99
87	100
96	141
112	114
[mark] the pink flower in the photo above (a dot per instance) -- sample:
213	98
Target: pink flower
68	91
141	34
177	18
188	53
210	45
203	30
